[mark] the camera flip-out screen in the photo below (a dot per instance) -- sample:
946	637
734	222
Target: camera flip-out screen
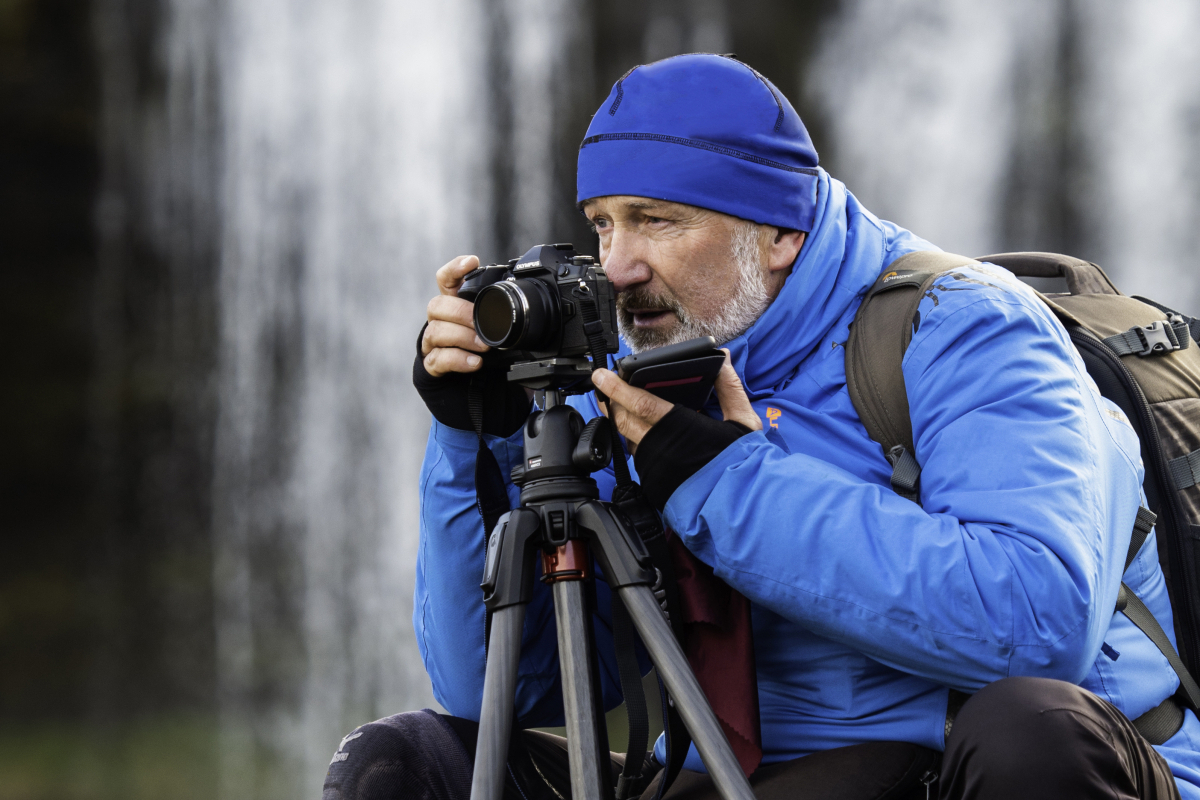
682	373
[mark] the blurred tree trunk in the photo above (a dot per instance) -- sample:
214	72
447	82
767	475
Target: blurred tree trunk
151	402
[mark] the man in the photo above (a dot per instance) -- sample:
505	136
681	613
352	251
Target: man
866	609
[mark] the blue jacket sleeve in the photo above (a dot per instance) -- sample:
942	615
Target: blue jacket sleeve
1011	563
448	611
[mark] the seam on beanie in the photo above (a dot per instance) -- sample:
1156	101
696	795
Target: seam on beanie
620	92
765	82
775	97
716	148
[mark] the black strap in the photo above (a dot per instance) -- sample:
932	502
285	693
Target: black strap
1193	326
640	513
666	589
906	473
593	328
1161	722
1185	470
1142	525
678	741
491	494
632	780
646	522
1131	606
1162	336
1193	323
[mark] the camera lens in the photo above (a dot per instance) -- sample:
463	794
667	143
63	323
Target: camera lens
517	313
496	315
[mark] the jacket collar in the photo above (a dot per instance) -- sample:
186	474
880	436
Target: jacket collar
839	261
842	256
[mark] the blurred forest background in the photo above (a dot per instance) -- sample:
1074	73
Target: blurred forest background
218	225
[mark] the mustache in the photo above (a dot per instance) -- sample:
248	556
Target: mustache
645	300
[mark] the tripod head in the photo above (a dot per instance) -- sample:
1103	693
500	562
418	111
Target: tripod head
561	452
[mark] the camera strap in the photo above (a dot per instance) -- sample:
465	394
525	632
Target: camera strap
628	497
491	494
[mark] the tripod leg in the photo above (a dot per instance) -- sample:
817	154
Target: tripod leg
588	777
693	706
496	716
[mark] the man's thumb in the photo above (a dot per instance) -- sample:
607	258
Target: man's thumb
735	405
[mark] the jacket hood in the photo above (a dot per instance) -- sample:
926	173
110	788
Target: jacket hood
841	258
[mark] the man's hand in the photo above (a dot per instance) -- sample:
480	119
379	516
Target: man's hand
450	343
635	410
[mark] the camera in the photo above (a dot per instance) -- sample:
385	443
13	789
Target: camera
534	312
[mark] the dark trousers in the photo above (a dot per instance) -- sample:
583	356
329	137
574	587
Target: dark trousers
1017	738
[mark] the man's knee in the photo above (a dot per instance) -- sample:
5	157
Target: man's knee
1035	737
410	755
1017	718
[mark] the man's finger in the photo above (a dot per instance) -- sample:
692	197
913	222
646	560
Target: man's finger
444	360
451	309
735	405
450	274
641	409
632	428
637	402
450	334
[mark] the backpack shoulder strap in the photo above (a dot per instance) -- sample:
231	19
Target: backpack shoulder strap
881	332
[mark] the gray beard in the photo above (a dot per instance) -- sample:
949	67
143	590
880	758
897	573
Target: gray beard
751	298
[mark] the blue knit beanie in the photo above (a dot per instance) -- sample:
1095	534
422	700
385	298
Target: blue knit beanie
705	130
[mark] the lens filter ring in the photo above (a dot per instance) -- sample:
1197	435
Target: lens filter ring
501	314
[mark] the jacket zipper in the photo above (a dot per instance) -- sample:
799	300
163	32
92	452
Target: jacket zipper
928	779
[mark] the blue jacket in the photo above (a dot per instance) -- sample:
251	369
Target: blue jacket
866	607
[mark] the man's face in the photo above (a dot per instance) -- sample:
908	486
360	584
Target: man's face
681	271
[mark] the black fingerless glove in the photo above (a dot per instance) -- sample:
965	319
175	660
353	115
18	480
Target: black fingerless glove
506	406
677	447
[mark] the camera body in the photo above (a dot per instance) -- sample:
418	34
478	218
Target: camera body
534	308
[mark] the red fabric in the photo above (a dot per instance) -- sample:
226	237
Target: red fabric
719	644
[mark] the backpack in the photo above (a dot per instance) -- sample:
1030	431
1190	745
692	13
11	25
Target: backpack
1142	358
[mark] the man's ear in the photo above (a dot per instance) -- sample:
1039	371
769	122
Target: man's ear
784	248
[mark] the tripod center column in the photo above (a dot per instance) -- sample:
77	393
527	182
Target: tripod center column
569	562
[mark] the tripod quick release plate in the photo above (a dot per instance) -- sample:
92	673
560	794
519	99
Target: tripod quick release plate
572	375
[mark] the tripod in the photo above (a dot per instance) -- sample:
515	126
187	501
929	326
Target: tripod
562	518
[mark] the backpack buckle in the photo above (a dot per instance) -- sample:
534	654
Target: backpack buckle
1156	338
1162	336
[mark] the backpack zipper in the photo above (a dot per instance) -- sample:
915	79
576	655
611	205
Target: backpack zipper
1169	502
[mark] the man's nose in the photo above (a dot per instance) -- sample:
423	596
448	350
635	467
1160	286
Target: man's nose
625	260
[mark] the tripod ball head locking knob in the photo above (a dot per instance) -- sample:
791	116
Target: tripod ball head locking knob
594	449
